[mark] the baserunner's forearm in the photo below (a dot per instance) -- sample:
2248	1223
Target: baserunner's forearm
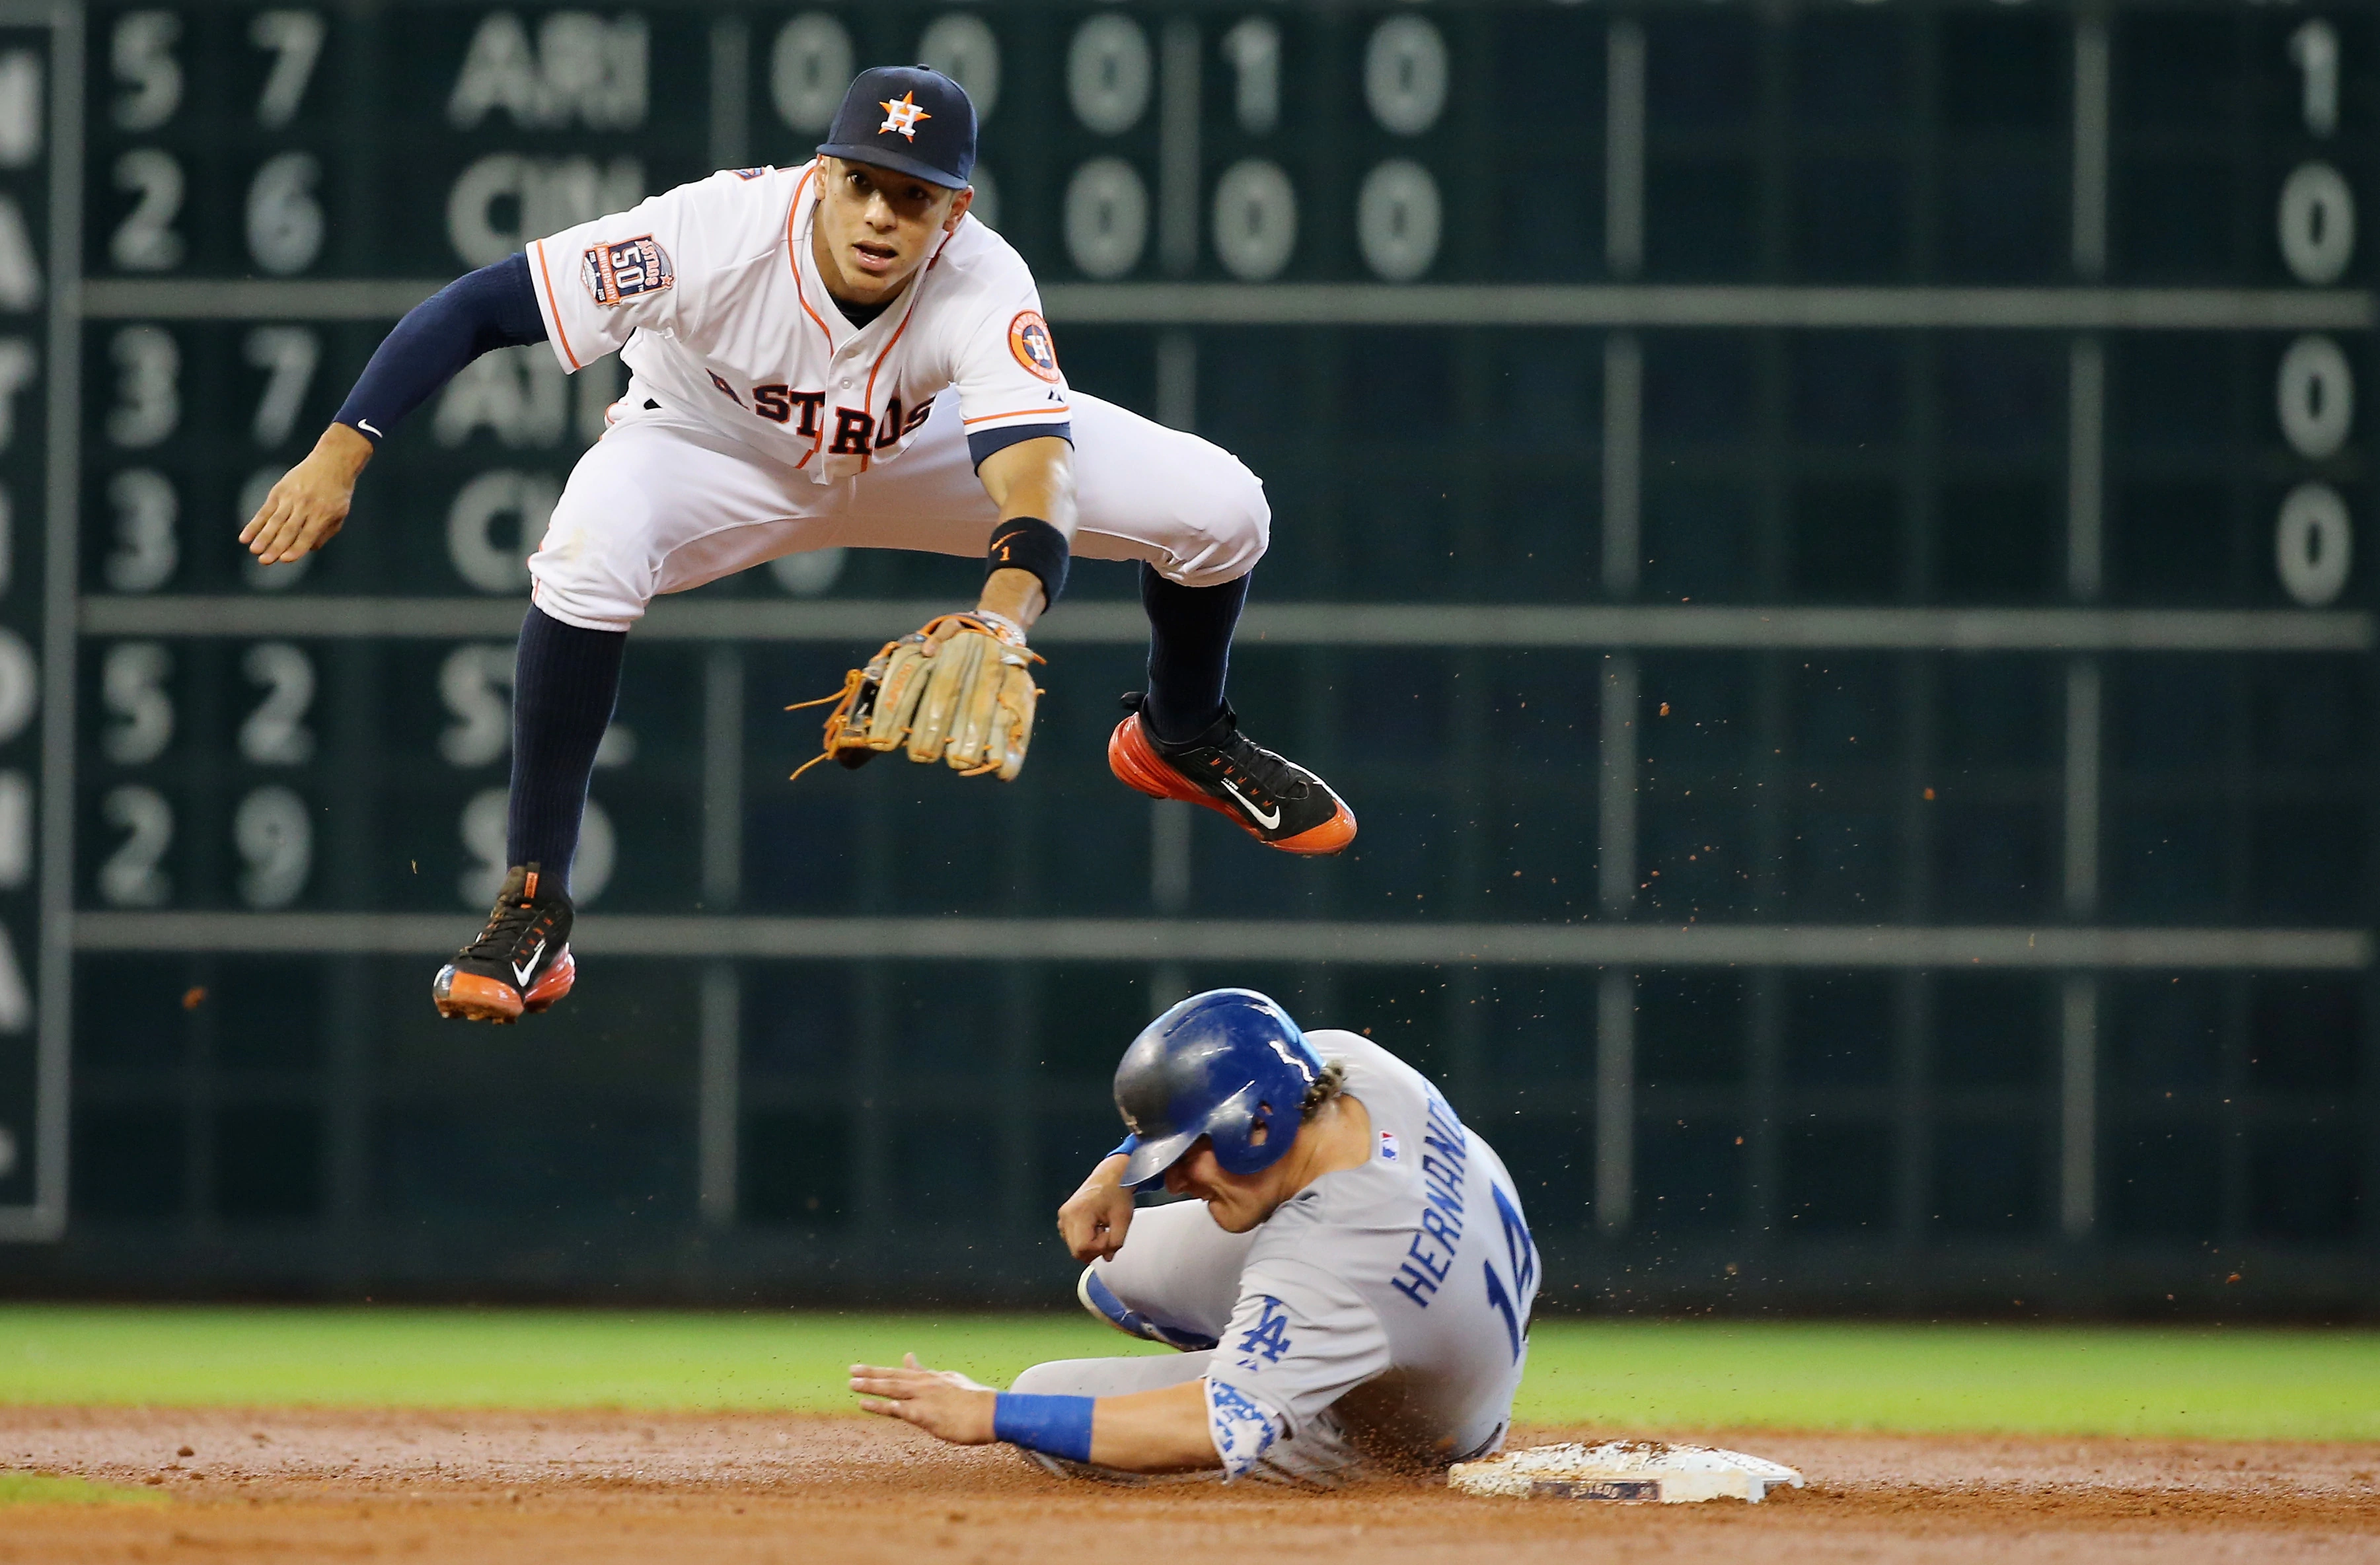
1160	1431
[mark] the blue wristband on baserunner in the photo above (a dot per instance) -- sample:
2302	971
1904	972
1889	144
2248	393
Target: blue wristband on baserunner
1056	1425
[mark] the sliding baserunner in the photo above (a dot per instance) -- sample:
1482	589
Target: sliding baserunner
831	356
1352	1284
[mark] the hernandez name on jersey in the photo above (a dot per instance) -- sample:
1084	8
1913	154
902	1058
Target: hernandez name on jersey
712	296
1386	1304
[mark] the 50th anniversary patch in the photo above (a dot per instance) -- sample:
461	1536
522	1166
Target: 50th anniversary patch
616	272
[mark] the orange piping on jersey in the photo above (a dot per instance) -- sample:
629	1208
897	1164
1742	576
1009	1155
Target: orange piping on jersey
1019	413
793	260
556	306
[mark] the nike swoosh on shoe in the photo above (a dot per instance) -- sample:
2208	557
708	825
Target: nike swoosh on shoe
521	970
1269	822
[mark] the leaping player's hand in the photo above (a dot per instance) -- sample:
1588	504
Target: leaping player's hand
310	505
943	1402
1094	1220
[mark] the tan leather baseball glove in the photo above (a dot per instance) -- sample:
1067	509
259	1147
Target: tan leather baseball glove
958	690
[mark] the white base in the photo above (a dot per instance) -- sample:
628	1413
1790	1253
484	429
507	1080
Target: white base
1637	1471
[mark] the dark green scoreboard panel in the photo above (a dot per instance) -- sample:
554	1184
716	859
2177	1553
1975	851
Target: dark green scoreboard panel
1828	545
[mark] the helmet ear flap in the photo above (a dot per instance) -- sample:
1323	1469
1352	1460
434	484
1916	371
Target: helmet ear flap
1249	1133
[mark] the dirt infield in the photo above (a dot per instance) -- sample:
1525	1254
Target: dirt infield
591	1488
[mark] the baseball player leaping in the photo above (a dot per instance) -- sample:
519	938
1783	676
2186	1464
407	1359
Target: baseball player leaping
829	355
1353	1284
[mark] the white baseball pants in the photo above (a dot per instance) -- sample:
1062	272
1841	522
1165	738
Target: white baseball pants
665	501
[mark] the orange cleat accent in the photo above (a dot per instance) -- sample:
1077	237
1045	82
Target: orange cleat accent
469	997
1139	766
551	984
474	997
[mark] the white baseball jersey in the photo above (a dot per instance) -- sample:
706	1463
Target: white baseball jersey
1393	1296
711	294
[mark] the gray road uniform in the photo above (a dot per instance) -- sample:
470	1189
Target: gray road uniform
1380	1314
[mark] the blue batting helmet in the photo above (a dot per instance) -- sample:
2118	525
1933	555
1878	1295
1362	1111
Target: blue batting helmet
1220	1064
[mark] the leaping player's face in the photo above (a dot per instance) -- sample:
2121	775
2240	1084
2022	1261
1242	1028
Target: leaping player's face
876	226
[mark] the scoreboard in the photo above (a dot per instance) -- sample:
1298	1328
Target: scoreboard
1826	542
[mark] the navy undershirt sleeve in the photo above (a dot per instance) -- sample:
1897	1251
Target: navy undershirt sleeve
478	313
981	445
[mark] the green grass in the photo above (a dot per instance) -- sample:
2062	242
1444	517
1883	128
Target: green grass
502	1358
2220	1383
1644	1376
42	1488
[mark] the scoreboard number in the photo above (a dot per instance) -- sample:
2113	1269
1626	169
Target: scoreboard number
1397	220
132	688
276	733
1405	75
140	54
2317	223
1107	217
2314	546
130	877
295	40
1253	47
809	68
1107	74
145	240
275	838
2313	49
146	553
288	355
2314	538
285	221
1255	220
147	387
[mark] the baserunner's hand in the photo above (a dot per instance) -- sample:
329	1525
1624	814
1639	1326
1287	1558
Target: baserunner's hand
1094	1220
310	505
943	1402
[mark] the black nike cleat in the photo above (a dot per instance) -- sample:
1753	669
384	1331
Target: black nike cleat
521	960
1274	800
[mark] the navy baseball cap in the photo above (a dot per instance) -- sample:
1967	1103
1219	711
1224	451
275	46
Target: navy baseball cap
909	118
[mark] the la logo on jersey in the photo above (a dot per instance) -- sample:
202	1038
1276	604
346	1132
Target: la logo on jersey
903	115
1028	339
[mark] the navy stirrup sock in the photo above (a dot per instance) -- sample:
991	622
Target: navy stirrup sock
1189	653
565	684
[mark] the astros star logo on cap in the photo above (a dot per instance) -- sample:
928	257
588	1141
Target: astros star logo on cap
901	114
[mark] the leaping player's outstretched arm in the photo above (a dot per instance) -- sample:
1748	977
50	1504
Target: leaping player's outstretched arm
1160	1431
494	306
1032	480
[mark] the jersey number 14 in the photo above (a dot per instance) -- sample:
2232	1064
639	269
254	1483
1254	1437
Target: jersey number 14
1524	1254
